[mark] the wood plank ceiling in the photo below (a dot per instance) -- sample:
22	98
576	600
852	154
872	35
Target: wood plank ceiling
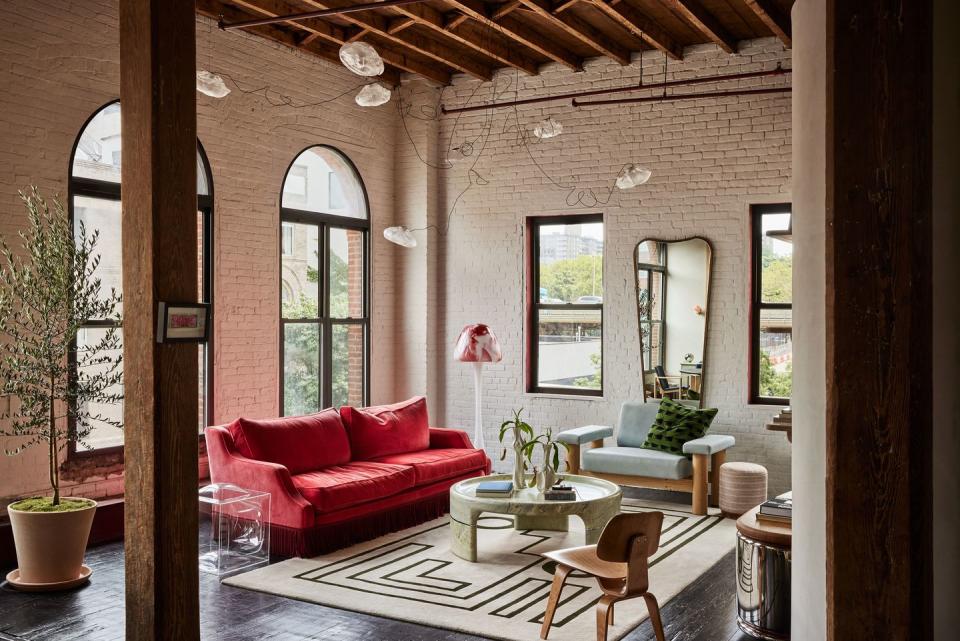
436	39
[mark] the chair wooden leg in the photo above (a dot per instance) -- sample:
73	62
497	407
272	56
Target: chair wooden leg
603	616
573	458
559	578
700	463
716	461
610	618
654	609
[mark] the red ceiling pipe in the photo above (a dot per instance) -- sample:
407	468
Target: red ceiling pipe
779	71
680	96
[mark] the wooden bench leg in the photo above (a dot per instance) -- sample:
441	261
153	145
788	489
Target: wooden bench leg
700	464
573	458
716	461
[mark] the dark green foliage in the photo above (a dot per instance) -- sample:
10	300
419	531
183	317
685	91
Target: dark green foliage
48	291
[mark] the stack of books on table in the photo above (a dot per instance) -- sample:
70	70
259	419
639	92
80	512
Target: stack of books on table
495	489
561	492
778	511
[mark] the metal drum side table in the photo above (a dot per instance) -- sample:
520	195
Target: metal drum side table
763	578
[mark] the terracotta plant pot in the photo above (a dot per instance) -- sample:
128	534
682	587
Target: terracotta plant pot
50	545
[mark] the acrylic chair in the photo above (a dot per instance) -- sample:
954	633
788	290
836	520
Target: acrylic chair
618	562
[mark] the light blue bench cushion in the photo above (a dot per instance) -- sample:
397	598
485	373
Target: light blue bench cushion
585	434
634	461
709	444
636	417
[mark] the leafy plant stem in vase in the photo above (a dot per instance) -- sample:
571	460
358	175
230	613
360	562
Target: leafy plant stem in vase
550	448
521	432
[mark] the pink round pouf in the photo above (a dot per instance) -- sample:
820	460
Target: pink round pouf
743	486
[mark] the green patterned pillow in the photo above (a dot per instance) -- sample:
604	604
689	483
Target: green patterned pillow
675	425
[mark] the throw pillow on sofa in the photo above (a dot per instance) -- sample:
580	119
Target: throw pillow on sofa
675	425
387	429
299	443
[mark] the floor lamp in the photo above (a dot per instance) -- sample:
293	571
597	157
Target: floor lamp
477	345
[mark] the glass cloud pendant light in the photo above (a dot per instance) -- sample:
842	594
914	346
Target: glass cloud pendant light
632	175
548	128
373	95
400	235
211	85
361	58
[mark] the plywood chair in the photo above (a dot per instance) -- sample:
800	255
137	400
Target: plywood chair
619	562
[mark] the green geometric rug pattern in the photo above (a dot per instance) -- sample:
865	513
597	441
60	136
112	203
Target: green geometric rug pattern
412	575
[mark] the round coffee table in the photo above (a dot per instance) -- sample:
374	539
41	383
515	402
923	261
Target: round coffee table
597	502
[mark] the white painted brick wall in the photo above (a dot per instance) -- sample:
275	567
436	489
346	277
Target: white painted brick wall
710	158
60	64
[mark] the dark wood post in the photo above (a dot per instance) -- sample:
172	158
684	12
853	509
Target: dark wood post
879	311
157	95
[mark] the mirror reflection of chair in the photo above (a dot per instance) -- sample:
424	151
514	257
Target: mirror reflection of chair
667	386
619	562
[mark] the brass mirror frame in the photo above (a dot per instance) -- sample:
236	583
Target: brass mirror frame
706	304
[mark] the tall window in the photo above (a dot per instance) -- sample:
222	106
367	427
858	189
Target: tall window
95	201
771	367
566	305
324	300
651	261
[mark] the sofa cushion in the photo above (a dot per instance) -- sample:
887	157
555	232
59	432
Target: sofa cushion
675	425
387	429
341	486
636	417
436	465
299	443
634	461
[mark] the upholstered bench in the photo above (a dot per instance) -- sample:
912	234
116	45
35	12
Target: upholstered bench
629	464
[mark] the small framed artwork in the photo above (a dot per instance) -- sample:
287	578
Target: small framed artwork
183	322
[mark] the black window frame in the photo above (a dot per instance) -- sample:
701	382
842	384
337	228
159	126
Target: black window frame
534	223
757	304
649	268
106	190
325	222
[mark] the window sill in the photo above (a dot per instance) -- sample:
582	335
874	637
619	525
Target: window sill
564	397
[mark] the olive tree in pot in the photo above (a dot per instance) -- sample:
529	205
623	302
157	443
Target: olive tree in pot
48	291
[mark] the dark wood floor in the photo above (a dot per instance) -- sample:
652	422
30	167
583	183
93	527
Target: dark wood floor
704	611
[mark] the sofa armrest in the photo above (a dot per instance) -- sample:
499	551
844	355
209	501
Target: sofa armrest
709	444
585	434
287	506
445	438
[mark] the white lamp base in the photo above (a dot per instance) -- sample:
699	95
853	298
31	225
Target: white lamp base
478	393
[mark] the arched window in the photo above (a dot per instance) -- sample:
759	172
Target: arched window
95	200
324	299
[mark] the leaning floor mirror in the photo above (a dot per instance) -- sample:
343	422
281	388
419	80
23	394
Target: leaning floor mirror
673	303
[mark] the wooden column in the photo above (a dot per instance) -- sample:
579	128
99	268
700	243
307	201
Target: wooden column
157	94
878	320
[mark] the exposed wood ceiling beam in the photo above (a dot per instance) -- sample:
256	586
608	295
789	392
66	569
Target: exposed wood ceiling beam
519	32
641	26
215	8
581	30
456	28
775	19
704	22
338	36
396	25
564	5
378	24
505	8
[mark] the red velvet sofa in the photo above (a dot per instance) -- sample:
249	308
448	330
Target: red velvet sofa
336	478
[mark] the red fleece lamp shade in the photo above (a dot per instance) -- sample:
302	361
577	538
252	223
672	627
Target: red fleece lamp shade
477	345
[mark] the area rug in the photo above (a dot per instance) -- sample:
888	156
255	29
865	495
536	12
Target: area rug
413	576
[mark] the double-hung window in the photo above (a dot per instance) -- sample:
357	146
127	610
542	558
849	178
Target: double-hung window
771	310
565	337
